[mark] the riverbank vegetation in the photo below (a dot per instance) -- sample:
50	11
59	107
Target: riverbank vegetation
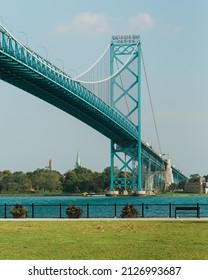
45	181
76	181
104	240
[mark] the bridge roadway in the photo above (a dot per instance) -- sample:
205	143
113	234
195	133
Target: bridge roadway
25	69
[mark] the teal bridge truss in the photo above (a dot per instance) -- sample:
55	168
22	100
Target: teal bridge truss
136	160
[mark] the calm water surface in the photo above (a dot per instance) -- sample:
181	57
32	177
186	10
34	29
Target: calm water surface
102	206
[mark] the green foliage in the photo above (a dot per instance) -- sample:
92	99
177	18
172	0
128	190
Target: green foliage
50	181
46	180
172	187
194	176
84	180
206	178
40	180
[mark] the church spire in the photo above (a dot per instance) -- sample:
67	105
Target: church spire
78	161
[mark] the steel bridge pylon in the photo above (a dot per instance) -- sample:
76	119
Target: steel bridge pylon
125	90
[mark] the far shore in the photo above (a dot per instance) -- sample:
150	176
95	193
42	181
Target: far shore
79	194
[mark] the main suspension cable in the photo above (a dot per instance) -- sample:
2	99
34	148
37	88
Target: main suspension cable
151	104
86	71
110	77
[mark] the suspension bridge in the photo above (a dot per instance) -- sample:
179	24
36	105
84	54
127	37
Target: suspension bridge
106	97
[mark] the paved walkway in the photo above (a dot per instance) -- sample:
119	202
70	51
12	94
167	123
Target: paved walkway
104	219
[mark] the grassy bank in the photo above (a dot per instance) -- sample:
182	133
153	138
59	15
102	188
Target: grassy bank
93	240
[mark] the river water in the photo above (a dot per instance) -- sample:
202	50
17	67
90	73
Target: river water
102	206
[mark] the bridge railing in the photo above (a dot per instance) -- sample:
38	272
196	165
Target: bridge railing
109	210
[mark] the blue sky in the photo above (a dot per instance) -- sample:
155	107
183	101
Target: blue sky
74	34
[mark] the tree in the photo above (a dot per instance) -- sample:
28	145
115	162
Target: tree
69	186
46	180
80	180
194	177
8	184
106	177
53	181
6	173
84	180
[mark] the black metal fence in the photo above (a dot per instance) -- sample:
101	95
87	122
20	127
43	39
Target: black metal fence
111	210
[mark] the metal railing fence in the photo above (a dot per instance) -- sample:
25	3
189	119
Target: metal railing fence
108	210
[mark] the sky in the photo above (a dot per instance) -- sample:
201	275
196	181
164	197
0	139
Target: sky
72	35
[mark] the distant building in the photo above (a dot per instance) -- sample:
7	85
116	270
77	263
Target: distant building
196	185
206	188
50	164
78	161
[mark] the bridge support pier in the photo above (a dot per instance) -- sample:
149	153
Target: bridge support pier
125	178
168	175
112	193
158	179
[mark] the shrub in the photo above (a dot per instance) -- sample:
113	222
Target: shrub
129	211
19	210
74	211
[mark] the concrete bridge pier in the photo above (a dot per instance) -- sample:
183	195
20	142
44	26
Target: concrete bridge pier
168	178
168	175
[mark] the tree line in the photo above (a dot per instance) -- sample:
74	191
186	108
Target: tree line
45	181
77	180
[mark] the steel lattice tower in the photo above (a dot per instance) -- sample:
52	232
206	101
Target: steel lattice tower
125	66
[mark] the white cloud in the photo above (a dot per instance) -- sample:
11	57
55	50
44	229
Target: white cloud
141	21
85	22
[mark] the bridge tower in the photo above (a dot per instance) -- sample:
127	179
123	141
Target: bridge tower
125	90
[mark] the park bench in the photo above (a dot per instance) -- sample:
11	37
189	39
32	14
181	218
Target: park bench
188	208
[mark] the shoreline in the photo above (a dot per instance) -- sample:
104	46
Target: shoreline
101	195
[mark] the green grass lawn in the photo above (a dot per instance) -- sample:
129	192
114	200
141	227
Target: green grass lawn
112	240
